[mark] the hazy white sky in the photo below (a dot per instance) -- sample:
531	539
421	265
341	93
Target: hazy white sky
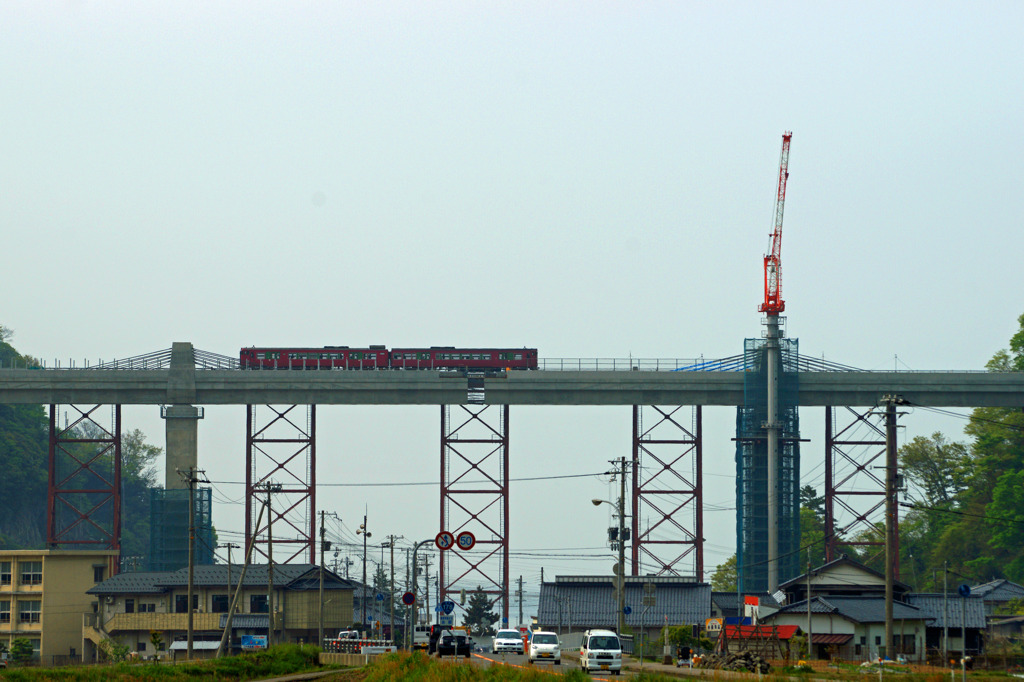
591	179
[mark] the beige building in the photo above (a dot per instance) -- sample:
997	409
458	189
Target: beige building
43	597
132	606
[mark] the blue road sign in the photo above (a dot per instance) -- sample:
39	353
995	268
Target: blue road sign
627	610
447	607
438	609
379	597
964	590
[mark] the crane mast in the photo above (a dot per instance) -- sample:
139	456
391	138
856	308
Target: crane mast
773	303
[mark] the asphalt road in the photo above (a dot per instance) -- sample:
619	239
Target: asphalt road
519	661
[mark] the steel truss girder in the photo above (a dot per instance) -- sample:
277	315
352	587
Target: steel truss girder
84	487
281	451
474	498
668	491
850	460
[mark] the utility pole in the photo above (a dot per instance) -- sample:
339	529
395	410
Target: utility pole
225	637
891	401
945	614
191	477
324	546
270	488
519	593
391	596
365	533
810	647
229	546
426	582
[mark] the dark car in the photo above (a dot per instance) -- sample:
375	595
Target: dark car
451	644
435	634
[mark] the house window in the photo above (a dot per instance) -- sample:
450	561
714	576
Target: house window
147	608
181	603
97	574
5	572
142	646
878	640
31	572
29	611
5	611
219	603
857	650
258	603
129	606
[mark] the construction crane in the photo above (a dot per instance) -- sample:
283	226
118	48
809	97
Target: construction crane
773	303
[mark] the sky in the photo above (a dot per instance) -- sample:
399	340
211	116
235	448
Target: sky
590	179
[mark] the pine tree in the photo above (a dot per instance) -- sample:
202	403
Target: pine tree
479	616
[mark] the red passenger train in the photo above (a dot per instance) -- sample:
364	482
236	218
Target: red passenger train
379	357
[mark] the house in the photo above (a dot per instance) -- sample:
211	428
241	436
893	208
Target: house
43	597
578	603
997	595
132	606
951	620
847	615
853	627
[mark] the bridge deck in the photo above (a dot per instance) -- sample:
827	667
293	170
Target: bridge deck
236	387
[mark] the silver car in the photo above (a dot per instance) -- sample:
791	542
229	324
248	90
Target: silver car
507	641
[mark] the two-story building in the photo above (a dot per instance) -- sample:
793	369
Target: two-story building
43	596
133	606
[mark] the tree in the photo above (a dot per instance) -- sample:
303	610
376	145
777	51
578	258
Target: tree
5	333
479	616
21	651
812	525
724	579
939	470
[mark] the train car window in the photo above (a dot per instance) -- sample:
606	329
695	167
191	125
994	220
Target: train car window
519	356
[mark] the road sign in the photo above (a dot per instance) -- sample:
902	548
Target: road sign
627	610
504	620
379	597
438	609
408	598
964	590
466	540
447	607
444	540
446	620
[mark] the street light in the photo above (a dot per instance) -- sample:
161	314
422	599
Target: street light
620	583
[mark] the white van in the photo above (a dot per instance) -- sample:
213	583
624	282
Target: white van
421	637
601	650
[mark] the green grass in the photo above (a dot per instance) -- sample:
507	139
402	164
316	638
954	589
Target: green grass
283	659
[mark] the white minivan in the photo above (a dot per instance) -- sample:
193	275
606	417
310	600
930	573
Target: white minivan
601	650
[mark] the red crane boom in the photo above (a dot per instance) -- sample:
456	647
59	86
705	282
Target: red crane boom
773	303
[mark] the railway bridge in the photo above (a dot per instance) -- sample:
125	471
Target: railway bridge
666	478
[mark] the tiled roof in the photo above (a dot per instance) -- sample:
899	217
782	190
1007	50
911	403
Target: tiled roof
858	609
998	590
587	601
143	582
931	606
287	576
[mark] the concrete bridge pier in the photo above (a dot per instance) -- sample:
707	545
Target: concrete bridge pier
181	416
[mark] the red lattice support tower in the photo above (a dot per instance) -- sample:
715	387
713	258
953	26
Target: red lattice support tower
84	490
668	521
854	479
474	498
280	450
